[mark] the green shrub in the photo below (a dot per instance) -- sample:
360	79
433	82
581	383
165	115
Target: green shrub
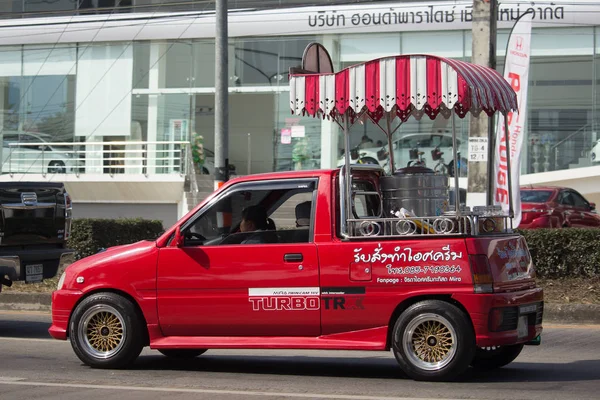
88	236
564	253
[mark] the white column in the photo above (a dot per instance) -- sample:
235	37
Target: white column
156	79
329	129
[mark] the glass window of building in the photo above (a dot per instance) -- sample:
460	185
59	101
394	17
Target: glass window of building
266	62
359	48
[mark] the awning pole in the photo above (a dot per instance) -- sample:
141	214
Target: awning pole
456	169
390	147
348	178
511	212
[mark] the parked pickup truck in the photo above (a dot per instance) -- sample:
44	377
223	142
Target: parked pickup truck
440	302
35	226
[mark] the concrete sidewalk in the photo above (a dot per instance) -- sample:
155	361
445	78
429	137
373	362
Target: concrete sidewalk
553	313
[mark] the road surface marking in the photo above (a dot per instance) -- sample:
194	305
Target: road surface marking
31	339
25	312
17	382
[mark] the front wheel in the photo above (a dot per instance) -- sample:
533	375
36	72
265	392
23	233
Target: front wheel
433	340
182	353
106	331
487	358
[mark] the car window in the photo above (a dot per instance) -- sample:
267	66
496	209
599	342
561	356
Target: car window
284	215
289	211
566	198
579	201
535	196
366	203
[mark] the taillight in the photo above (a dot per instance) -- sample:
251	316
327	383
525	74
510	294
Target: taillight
483	281
68	215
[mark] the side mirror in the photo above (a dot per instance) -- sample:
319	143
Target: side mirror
592	206
178	239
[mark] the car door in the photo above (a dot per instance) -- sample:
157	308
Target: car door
588	218
214	285
572	215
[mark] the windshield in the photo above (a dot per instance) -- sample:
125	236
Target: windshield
535	196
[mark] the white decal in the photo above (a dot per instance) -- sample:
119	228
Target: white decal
417	279
284	299
294	291
406	254
393	281
433	269
283	303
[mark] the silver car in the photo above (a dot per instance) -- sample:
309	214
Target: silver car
26	152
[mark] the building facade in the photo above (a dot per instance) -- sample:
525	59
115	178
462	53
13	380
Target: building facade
117	97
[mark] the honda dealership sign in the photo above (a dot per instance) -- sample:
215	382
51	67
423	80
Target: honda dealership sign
516	72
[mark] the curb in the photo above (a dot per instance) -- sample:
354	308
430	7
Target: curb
13	301
553	313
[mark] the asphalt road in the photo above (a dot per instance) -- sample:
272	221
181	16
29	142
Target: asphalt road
32	366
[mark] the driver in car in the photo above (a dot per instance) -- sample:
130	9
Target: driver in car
255	219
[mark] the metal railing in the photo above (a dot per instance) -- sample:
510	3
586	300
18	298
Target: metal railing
139	157
564	153
467	223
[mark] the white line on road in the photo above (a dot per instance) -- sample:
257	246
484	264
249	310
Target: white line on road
31	339
15	381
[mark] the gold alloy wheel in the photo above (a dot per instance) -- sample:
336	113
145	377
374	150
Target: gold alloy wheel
429	342
102	331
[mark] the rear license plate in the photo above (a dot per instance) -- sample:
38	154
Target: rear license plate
34	273
522	327
531	308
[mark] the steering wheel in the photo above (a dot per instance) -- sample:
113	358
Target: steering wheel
195	236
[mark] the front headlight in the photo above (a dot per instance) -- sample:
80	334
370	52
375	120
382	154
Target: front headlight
61	281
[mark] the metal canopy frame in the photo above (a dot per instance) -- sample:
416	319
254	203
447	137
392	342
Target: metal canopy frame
488	91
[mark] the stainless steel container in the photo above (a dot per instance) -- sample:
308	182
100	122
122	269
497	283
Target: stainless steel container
417	189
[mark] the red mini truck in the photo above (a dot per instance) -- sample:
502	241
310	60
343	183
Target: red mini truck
351	259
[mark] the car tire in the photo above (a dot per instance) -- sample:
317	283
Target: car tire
56	167
182	353
106	331
495	357
434	341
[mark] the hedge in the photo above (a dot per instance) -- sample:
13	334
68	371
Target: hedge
88	236
564	253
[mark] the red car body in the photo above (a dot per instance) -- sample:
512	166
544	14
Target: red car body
340	295
556	207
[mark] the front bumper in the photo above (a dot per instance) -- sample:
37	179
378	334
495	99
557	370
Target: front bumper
527	303
63	303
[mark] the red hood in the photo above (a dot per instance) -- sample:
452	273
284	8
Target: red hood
111	255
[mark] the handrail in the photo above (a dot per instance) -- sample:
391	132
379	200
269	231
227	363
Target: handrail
147	157
73	144
571	135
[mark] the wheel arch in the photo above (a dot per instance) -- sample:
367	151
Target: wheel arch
400	308
120	293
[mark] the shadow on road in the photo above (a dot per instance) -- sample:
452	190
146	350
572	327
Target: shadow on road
367	367
24	329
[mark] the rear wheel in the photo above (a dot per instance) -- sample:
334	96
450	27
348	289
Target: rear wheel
433	340
106	331
487	358
183	353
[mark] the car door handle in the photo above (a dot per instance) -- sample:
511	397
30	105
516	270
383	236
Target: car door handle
293	257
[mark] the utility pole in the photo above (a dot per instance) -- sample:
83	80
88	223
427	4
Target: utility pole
481	126
491	125
221	95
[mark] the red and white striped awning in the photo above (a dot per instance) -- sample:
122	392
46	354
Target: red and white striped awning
403	85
